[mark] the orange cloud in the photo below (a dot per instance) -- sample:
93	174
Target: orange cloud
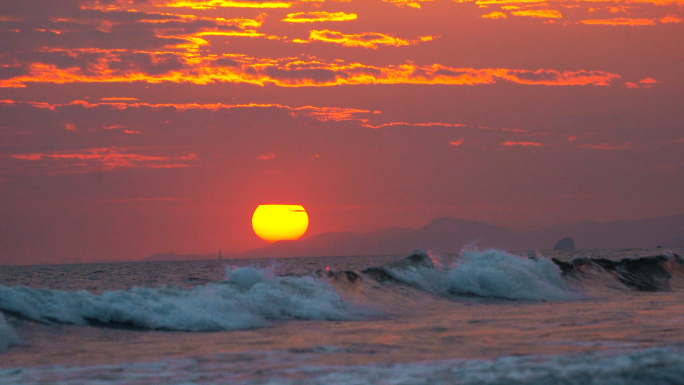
104	159
117	99
391	124
407	3
365	40
318	113
310	17
631	85
649	81
299	73
213	4
543	13
456	143
539	2
671	19
619	21
524	144
495	15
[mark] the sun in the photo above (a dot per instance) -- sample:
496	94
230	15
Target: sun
280	222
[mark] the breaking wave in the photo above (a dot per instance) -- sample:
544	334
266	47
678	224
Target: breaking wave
653	273
248	299
490	273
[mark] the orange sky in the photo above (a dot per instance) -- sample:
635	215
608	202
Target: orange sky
129	127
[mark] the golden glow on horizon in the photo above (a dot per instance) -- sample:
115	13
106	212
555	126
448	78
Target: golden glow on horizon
280	222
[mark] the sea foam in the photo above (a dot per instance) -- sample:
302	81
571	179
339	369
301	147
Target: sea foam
490	273
248	299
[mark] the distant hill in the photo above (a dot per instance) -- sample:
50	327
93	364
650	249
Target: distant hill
451	235
442	234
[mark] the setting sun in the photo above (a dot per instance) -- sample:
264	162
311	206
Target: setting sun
280	222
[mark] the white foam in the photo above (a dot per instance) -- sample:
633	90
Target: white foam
248	299
7	335
492	273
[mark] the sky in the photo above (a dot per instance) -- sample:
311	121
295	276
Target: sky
131	127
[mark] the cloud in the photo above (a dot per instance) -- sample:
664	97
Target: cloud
310	17
539	2
609	146
432	124
319	113
365	40
297	73
524	144
671	19
649	81
619	22
74	37
456	143
407	3
119	99
102	159
103	42
495	15
214	4
543	13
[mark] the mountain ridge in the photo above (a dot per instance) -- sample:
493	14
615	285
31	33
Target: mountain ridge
447	234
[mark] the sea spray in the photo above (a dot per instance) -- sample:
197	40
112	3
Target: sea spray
496	273
247	299
490	273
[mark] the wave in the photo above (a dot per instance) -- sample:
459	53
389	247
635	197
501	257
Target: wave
652	273
490	273
249	298
7	335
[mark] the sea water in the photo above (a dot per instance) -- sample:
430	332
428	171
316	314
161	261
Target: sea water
477	317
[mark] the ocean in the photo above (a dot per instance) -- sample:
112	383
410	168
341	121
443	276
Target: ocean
477	317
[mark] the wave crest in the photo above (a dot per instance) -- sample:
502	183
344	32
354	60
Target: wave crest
248	299
491	273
